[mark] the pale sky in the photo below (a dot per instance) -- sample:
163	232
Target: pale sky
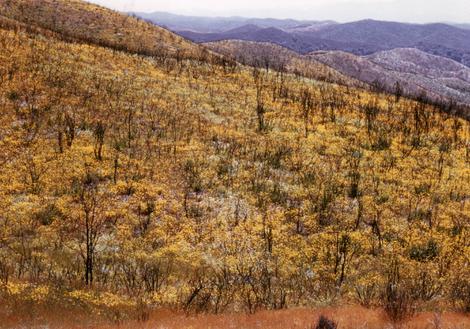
420	11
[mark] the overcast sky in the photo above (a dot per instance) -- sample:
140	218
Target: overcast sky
340	10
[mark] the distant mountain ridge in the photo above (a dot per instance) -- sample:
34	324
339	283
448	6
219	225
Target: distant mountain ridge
462	26
222	24
301	43
437	39
363	37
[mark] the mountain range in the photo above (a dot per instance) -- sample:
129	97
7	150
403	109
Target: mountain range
423	58
361	38
222	24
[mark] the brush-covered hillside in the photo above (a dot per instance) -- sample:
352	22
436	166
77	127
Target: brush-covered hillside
412	71
81	21
270	56
130	182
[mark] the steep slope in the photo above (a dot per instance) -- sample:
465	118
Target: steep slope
356	66
95	24
409	60
175	162
416	72
130	183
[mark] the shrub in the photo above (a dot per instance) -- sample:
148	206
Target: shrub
426	252
398	302
460	290
366	293
325	323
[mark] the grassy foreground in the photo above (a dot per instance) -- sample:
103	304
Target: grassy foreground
346	317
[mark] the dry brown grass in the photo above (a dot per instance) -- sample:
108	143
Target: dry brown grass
347	317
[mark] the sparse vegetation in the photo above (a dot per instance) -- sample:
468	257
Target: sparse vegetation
132	181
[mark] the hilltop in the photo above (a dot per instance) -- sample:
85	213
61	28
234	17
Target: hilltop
91	23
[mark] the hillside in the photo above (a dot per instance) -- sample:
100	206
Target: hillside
271	56
91	23
416	72
132	183
419	74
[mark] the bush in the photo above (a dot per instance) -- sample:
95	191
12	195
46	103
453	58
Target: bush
325	323
460	290
398	302
426	252
366	293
